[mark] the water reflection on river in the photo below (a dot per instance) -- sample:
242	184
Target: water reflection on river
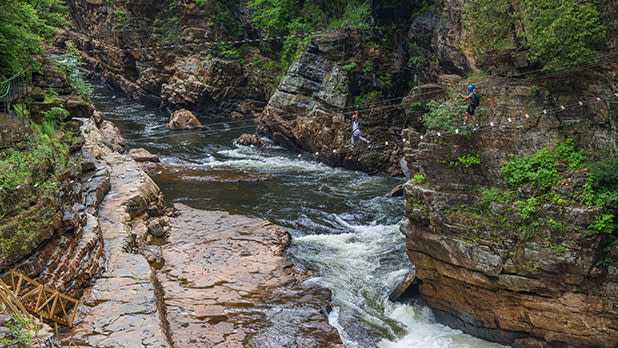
340	222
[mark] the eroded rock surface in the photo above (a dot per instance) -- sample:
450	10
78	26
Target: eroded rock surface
120	309
227	283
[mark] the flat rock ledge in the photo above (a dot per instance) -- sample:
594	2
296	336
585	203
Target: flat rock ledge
227	283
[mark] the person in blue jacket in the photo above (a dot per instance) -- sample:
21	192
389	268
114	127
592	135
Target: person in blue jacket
473	102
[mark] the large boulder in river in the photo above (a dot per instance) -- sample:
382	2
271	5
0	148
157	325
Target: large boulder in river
183	119
251	139
143	155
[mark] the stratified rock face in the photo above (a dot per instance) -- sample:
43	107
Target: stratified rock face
120	308
311	109
227	283
480	269
308	109
183	119
171	53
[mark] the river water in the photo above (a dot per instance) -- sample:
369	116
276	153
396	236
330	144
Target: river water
340	222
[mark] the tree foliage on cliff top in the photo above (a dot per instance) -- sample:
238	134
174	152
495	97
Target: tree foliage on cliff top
556	34
283	18
24	25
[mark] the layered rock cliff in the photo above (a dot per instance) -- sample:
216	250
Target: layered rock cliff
369	71
541	278
176	53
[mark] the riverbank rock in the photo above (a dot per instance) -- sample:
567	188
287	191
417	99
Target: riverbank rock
227	283
112	137
120	308
251	140
183	119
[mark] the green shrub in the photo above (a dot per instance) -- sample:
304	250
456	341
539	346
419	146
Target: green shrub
602	182
602	224
19	332
367	97
443	117
566	152
491	195
471	159
24	25
349	66
556	34
200	3
537	170
418	179
70	64
355	15
52	119
121	15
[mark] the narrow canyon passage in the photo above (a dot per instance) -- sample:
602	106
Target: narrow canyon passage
340	223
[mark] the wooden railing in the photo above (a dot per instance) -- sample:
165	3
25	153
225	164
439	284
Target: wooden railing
14	88
42	301
10	304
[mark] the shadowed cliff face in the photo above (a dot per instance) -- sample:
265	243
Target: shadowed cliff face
158	51
542	282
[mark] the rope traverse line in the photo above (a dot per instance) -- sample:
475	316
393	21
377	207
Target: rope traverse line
358	107
395	142
202	43
509	120
325	115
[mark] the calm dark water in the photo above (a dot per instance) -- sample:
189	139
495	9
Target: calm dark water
340	222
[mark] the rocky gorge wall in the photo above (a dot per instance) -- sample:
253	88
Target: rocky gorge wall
172	53
111	242
479	268
373	69
372	72
542	282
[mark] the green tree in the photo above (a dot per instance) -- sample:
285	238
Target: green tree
556	33
24	25
292	17
563	32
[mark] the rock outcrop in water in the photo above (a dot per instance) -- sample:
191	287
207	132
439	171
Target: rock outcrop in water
183	119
